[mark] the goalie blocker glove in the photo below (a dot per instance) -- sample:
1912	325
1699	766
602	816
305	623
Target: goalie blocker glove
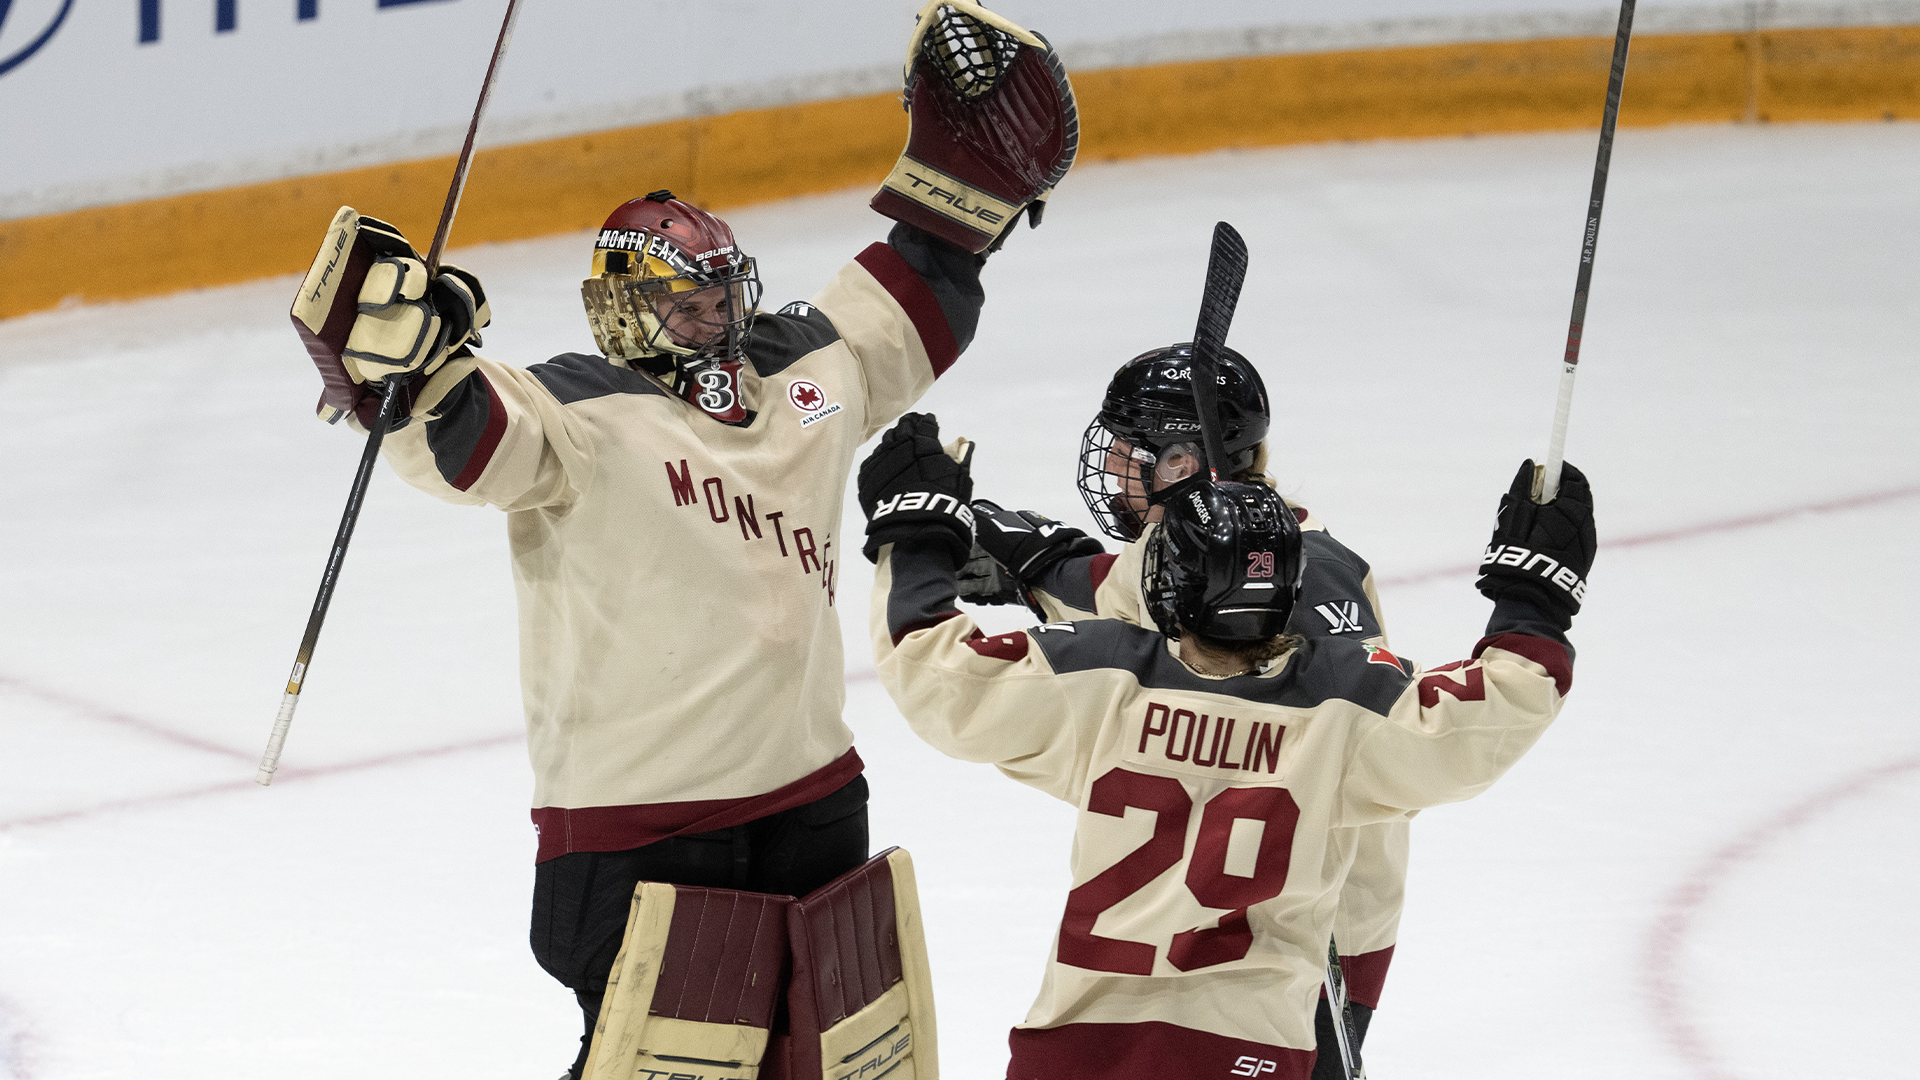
367	312
1541	552
914	491
992	127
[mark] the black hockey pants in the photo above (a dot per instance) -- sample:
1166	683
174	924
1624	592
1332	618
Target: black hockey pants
581	900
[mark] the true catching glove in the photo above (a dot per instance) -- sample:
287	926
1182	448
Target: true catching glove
915	491
408	324
1027	543
1541	552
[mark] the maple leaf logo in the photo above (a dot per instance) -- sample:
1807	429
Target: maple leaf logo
805	396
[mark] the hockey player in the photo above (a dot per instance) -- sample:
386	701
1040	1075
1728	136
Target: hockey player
1213	761
673	501
1145	439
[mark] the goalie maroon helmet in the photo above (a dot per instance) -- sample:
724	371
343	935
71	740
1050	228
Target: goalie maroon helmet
670	286
1147	434
1225	564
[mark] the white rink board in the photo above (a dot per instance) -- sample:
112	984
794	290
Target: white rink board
101	105
1702	871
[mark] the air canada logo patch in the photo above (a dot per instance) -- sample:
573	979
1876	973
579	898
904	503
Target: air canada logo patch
811	401
1378	655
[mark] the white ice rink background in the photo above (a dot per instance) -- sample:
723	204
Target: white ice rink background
1705	871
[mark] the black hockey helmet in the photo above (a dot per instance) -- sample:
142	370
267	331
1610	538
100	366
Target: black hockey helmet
1149	410
1225	563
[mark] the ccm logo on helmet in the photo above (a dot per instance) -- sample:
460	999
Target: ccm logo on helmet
925	500
1526	559
1253	1066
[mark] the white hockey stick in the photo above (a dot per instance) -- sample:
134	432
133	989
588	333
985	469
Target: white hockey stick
289	701
1546	481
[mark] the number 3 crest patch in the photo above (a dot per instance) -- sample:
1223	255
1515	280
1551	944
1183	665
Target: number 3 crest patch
811	401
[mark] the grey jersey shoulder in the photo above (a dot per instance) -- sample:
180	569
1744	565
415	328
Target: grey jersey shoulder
1320	670
1333	596
783	338
572	377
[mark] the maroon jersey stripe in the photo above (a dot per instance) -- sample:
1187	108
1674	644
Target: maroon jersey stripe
1366	975
621	828
1146	1051
1548	654
1004	647
489	438
1098	569
912	294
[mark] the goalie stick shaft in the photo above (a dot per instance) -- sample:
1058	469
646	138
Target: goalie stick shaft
1226	271
459	185
1549	479
389	401
270	761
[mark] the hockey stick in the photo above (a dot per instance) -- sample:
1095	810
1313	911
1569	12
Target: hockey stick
377	433
1547	482
1343	1030
1226	270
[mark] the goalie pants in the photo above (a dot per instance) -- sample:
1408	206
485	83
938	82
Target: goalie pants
581	900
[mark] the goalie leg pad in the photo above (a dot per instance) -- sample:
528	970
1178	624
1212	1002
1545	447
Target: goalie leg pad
694	989
860	1000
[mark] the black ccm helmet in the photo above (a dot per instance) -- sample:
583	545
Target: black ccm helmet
1225	563
1148	421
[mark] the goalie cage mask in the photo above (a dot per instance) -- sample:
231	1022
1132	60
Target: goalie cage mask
1225	563
1147	434
671	291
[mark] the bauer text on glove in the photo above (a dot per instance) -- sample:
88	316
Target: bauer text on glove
914	491
1541	552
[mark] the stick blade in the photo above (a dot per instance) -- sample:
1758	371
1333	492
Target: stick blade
1226	272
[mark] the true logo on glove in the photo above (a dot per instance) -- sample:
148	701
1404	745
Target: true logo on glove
948	196
1526	559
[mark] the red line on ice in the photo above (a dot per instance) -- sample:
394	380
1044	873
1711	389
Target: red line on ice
16	1043
96	711
1688	532
1670	928
287	774
858	675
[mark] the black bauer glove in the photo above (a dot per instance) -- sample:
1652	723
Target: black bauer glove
1541	552
913	492
1027	543
984	581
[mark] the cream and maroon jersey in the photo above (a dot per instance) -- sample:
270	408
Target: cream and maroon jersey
680	652
1337	599
1205	875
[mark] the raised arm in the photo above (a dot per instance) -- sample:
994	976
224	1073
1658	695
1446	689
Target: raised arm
1455	729
977	698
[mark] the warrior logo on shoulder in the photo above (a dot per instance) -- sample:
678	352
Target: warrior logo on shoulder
1341	615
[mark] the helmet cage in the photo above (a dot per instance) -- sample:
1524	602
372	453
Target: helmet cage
1225	564
1121	480
637	280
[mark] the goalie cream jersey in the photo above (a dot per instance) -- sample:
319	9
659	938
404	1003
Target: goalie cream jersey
680	647
1204	874
1337	599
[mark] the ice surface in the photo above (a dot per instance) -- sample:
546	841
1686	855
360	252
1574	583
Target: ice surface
1704	870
